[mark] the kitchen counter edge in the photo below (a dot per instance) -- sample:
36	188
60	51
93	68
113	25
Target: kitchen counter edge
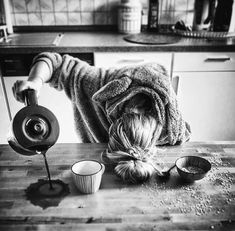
111	42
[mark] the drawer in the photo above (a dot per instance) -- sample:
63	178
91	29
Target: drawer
204	62
111	59
19	65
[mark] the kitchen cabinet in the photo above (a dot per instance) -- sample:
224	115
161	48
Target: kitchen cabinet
120	59
55	101
206	93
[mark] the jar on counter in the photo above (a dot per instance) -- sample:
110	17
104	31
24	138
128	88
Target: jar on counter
129	17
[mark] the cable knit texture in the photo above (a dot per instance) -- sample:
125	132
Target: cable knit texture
99	95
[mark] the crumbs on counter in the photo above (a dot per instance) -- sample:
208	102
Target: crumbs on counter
190	198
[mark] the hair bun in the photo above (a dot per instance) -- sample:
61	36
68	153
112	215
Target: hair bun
131	140
134	171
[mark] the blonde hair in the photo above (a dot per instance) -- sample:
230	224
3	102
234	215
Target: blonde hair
131	140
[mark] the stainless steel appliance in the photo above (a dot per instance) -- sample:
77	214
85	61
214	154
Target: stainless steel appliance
204	11
213	15
223	15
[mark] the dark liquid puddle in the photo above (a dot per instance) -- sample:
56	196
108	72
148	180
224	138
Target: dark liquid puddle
47	193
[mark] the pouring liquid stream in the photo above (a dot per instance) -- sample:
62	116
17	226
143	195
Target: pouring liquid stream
46	192
47	168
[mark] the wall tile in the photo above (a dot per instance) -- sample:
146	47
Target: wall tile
47	5
113	4
190	6
180	5
101	5
21	19
74	5
160	6
89	12
87	18
60	5
100	18
144	3
48	19
112	18
19	6
144	20
11	6
61	18
190	12
33	6
179	15
168	5
74	18
167	17
189	18
87	5
13	19
35	19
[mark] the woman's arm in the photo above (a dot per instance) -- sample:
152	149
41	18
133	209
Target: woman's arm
40	73
63	73
41	70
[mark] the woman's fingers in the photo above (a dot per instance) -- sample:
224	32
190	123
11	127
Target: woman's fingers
20	85
17	89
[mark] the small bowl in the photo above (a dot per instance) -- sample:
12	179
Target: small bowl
192	168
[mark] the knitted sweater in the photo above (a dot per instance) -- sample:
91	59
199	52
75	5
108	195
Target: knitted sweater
98	95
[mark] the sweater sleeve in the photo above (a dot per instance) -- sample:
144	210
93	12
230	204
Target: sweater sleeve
80	81
69	73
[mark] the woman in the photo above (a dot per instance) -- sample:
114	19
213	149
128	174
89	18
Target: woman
102	99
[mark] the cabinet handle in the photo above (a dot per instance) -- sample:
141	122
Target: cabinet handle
217	59
131	60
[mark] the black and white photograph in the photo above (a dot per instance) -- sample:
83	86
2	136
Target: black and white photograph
117	115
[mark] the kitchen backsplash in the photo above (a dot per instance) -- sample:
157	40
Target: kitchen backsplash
91	12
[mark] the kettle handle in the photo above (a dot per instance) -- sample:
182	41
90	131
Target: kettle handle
30	97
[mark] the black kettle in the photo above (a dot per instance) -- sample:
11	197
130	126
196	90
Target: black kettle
34	129
213	15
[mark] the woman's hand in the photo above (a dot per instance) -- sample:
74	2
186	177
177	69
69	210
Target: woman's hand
21	85
39	74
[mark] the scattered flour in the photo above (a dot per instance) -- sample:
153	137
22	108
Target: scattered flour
193	198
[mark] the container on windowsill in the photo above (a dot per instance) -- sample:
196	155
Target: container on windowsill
5	17
129	17
153	16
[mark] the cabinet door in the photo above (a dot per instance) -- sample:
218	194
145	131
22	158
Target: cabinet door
55	101
4	119
111	59
206	100
199	61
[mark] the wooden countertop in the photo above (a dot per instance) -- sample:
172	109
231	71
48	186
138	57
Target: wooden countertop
208	204
75	42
